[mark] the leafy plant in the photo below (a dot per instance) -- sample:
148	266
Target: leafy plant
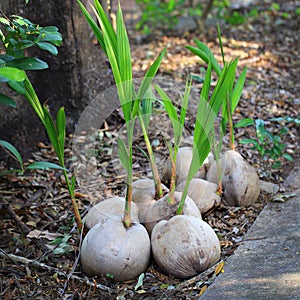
178	125
62	245
208	110
163	14
17	35
231	99
116	47
12	151
268	144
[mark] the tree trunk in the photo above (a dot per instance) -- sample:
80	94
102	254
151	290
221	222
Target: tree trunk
74	77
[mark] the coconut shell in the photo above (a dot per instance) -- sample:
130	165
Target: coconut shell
183	162
143	194
162	210
109	208
240	181
184	246
110	248
203	193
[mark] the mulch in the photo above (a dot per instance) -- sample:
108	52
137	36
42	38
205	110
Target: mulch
39	245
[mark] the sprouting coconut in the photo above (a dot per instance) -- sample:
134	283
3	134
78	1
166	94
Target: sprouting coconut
240	181
204	193
184	246
143	195
111	248
108	208
118	246
163	210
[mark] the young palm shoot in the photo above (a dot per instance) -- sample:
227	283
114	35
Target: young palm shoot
206	116
228	106
117	234
178	125
118	53
240	181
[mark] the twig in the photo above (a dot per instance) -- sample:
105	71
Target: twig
75	263
198	277
24	228
39	265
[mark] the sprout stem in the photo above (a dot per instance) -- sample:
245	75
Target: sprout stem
156	178
171	198
127	211
73	200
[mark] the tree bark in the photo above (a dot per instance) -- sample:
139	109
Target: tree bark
74	77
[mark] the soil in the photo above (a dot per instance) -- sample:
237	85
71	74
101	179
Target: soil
39	246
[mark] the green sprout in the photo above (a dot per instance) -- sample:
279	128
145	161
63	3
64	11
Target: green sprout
20	34
232	96
208	110
178	125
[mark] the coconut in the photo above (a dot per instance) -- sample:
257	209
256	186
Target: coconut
163	210
183	162
109	208
203	193
143	194
184	246
110	248
240	181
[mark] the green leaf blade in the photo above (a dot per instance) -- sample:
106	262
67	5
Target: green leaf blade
5	100
10	73
43	165
13	151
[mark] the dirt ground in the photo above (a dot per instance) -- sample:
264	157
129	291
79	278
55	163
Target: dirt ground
39	245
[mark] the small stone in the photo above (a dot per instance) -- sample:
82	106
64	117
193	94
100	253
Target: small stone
269	187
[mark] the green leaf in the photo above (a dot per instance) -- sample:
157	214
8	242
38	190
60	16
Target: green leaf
124	155
249	141
205	54
61	133
238	89
150	74
17	87
172	113
140	281
97	31
220	42
48	47
43	165
147	80
27	63
51	130
53	38
10	73
185	101
13	151
123	48
5	100
244	123
146	107
124	66
261	131
288	157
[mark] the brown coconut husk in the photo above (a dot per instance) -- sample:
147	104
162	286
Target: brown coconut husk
184	246
110	248
240	181
203	192
163	210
